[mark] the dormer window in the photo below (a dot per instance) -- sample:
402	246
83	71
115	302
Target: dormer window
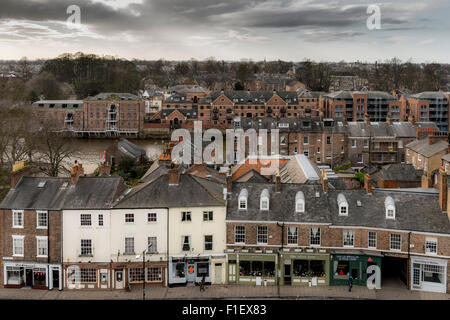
243	196
343	205
300	202
264	201
389	205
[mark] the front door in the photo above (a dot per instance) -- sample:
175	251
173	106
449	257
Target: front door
28	277
218	273
191	270
55	277
119	279
287	274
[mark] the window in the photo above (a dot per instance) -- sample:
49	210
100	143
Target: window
86	247
154	274
353	143
100	220
129	245
186	243
17	219
292	235
207	215
208	243
328	140
396	242
185	216
306	153
18	250
88	275
262	234
152	246
42	246
349	238
41	218
264	202
300	206
314	239
306	140
377	145
85	219
129	217
431	245
136	274
343	210
239	234
366	143
242	202
152	217
372	241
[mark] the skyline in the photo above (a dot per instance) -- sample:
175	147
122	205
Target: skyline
227	30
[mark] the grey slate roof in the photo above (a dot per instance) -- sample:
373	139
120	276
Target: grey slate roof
281	205
401	172
158	194
188	113
384	129
131	149
309	125
250	97
429	95
414	211
427	150
109	95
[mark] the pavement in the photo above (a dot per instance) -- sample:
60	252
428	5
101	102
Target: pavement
227	292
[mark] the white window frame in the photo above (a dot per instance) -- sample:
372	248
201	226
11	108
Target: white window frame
22	238
306	140
209	215
102	216
91	247
152	213
86	215
353	143
431	241
154	249
18	226
129	215
242	233
311	237
125	245
45	240
368	240
243	200
186	216
37	219
302	203
388	216
262	234
391	242
183	243
204	242
349	232
346	210
264	205
292	237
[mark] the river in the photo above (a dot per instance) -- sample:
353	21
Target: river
90	151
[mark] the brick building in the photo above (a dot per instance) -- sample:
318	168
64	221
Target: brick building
63	114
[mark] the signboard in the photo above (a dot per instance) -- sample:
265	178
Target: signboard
347	258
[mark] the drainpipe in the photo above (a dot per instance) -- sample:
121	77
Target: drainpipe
48	250
409	259
279	260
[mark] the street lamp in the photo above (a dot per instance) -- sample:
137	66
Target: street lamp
143	270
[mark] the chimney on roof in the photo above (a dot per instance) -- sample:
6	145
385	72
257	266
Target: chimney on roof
443	190
367	184
324	180
426	181
229	182
389	119
277	182
366	119
77	171
174	177
19	170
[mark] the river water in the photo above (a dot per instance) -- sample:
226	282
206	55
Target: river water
90	151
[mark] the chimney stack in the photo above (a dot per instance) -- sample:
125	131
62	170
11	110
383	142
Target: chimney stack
368	184
77	171
443	192
174	177
324	180
229	182
278	182
19	170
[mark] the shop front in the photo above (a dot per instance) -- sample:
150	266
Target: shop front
428	274
342	265
305	268
189	269
255	269
33	275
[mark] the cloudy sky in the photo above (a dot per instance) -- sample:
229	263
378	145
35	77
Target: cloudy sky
321	30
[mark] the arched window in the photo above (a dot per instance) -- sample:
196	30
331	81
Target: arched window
243	196
264	201
342	204
389	205
300	202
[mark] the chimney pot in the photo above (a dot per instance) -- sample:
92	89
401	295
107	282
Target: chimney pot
174	177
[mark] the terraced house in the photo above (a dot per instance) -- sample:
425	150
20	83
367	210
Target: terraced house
296	234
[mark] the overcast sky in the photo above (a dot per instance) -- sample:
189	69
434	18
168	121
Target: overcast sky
232	30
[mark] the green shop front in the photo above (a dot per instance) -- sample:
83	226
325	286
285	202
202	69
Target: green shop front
345	264
252	268
305	267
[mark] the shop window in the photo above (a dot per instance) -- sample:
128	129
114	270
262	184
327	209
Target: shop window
239	234
136	275
292	235
244	268
179	270
396	242
202	270
268	268
431	245
301	268
433	273
13	275
154	274
85	219
39	277
314	237
341	269
88	275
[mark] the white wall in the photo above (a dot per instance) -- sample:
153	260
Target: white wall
197	229
73	232
140	230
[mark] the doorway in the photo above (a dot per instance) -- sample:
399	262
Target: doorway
218	273
287	274
394	272
55	277
191	273
119	279
28	277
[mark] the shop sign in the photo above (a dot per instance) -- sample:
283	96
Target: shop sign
347	258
